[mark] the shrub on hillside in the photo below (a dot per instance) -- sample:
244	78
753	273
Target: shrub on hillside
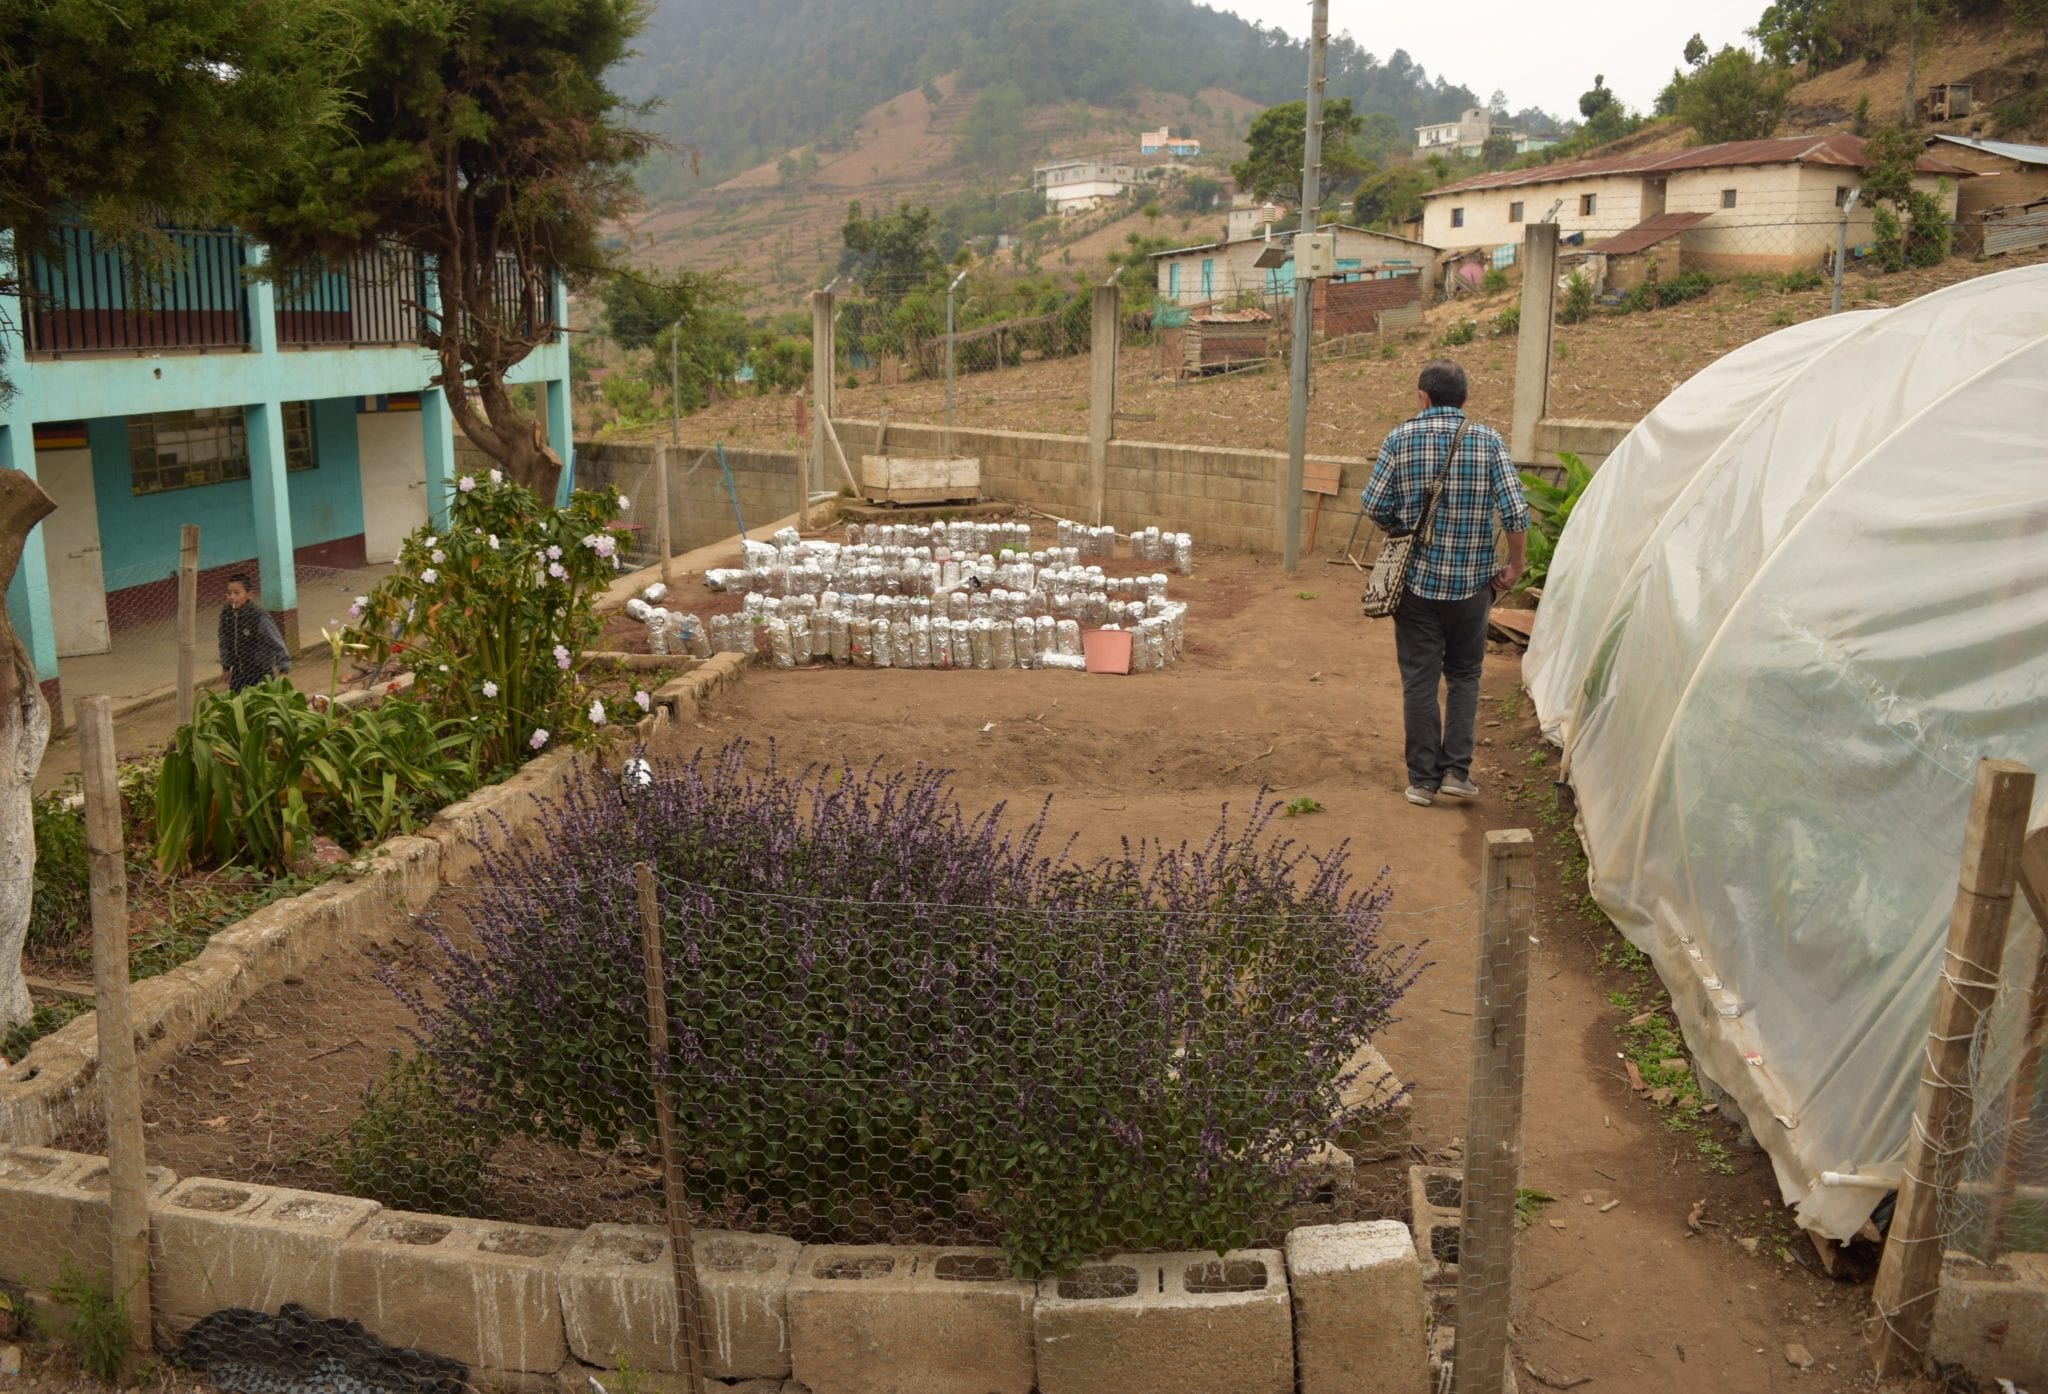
881	1005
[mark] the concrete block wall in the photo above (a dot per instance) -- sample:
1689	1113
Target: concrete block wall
1591	441
1166	1324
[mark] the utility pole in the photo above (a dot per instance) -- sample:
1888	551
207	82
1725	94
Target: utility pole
950	290
1842	246
1304	291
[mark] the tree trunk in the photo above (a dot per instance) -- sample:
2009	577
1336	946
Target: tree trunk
24	732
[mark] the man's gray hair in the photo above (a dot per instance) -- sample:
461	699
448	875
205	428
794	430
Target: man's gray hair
1443	381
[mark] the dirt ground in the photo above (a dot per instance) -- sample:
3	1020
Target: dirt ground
1284	689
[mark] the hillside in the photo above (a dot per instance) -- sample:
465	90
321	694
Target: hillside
2006	63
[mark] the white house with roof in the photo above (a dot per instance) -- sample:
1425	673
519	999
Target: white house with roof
1469	133
1229	270
1766	205
1075	186
1164	142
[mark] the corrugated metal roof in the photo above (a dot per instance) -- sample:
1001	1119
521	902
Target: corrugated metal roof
2004	149
1839	149
1647	233
1281	234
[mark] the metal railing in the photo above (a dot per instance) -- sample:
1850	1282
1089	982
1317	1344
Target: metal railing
374	297
83	296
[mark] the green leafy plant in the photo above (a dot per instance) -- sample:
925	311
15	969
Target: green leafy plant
1804	278
1295	808
1459	333
1494	281
60	910
493	612
411	1149
1528	1204
96	1321
1304	595
1508	321
1577	305
1550	509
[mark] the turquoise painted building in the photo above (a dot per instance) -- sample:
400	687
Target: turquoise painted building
294	422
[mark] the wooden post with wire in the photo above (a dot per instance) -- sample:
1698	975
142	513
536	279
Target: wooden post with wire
1493	1123
2026	1076
662	540
120	1078
188	618
1909	1277
689	1304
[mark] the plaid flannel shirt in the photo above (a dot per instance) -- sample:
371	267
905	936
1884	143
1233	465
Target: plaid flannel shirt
1482	482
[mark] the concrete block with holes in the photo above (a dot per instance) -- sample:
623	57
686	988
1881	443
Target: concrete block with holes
54	1206
1436	1201
1168	1324
1385	1112
1358	1309
486	1294
618	1300
890	1320
217	1244
1992	1318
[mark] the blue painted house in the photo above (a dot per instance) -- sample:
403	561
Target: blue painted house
293	422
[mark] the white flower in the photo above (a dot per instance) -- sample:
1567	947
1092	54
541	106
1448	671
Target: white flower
429	576
355	611
561	656
490	688
437	556
556	570
444	667
554	553
645	701
625	502
596	712
637	772
433	542
466	483
539	737
493	540
497	477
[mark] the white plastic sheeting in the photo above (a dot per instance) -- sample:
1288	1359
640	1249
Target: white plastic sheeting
1793	610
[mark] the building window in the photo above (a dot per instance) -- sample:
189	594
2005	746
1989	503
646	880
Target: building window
1173	281
1514	212
191	449
1727	198
1457	217
1208	277
1587	203
1841	195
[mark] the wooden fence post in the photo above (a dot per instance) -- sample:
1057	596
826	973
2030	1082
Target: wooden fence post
662	541
824	394
1532	340
120	1081
1493	1124
1909	1278
689	1306
188	618
2026	1076
1105	332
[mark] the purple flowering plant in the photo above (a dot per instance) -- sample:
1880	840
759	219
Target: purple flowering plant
880	1004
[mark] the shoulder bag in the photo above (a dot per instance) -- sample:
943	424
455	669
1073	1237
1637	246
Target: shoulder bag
1389	580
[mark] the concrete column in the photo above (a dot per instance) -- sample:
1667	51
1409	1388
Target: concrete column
262	296
28	594
1106	332
437	424
823	390
560	438
1532	350
270	500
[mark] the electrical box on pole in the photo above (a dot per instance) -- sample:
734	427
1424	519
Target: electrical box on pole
1315	256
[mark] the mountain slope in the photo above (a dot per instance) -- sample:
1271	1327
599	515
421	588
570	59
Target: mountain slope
744	83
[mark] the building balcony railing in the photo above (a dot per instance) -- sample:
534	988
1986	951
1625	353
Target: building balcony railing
373	298
81	296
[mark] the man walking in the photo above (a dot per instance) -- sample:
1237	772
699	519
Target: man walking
1440	627
251	649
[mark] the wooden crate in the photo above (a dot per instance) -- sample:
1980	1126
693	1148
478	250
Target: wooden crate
910	479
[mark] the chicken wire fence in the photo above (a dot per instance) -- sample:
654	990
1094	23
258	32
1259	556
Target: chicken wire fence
870	1017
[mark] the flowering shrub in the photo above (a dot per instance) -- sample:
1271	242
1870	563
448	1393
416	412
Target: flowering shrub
493	611
885	1010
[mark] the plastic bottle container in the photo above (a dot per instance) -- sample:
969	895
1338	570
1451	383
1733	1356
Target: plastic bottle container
781	647
879	637
839	647
1069	632
899	640
1025	641
1002	644
982	642
963	643
820	629
860	641
920	632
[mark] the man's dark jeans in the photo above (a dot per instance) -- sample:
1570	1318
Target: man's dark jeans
1440	640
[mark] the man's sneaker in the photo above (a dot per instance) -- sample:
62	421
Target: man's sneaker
1460	788
1419	795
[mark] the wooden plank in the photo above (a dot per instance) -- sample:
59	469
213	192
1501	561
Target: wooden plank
49	987
1493	1123
2026	1076
188	618
1321	476
120	1078
838	449
1909	1278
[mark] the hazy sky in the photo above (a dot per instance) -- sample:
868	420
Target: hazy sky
1540	55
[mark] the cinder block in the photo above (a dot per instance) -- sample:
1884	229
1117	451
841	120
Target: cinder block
217	1244
1168	1324
47	1090
53	1206
172	1010
618	1300
484	1293
1436	1200
886	1320
1385	1133
1358	1309
1992	1319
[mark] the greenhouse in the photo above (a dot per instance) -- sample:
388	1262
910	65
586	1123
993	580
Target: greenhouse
1792	612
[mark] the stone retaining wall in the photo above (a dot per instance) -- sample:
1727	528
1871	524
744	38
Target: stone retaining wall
531	1308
